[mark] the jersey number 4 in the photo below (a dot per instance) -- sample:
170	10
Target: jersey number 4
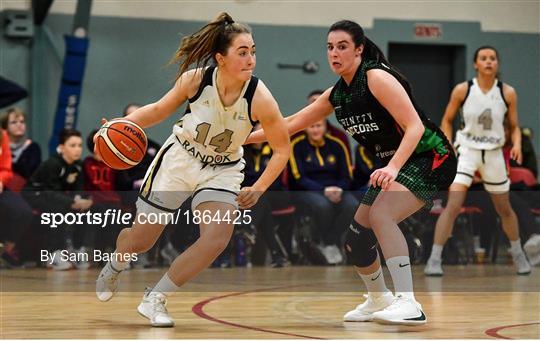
485	119
221	141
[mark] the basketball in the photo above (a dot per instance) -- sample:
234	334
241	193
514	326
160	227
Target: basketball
121	144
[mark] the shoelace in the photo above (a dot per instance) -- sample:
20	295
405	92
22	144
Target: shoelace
396	303
158	303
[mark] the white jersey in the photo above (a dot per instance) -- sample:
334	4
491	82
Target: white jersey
210	132
483	117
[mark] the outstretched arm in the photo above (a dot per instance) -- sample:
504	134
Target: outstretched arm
265	109
314	112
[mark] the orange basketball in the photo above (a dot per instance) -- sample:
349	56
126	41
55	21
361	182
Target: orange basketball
121	144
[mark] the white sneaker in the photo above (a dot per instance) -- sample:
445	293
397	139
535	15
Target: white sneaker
433	267
59	264
107	283
82	264
332	254
364	312
403	310
153	308
522	264
535	260
532	247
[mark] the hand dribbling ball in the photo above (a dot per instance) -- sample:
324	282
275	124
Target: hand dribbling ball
121	144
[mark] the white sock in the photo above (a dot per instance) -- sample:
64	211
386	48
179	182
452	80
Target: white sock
166	286
375	283
116	264
515	246
400	270
436	252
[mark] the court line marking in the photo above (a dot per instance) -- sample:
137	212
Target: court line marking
198	309
494	332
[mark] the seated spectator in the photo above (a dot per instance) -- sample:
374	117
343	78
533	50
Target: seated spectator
276	197
100	183
26	154
330	128
364	164
15	214
321	167
56	186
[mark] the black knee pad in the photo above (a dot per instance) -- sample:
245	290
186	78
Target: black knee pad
360	245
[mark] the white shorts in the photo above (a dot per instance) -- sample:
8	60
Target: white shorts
175	175
489	163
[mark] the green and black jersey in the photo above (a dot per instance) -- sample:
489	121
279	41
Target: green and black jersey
432	166
369	123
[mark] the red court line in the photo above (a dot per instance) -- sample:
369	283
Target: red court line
198	310
494	332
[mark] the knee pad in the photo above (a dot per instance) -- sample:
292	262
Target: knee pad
360	245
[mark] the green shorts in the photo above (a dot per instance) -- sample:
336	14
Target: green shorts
424	175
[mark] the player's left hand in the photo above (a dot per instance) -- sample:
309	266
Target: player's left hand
383	177
515	154
248	197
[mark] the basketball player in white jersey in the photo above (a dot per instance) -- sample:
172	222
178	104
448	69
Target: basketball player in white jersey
202	158
484	101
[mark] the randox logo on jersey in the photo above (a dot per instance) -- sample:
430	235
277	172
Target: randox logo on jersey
209	159
135	133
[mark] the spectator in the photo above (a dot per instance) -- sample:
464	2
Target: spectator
364	164
26	154
321	168
330	128
257	156
15	214
56	186
100	183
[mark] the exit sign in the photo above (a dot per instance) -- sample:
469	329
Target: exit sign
428	31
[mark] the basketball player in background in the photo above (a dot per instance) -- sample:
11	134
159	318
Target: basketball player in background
485	101
203	156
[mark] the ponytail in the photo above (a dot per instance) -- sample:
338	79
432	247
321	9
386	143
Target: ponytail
200	47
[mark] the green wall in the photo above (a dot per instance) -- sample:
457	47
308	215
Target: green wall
127	63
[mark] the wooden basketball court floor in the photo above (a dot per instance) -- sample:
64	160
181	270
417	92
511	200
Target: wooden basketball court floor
263	303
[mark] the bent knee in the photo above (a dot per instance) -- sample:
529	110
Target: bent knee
138	242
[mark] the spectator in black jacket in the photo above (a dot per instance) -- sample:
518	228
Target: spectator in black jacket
26	154
364	164
57	187
321	168
276	197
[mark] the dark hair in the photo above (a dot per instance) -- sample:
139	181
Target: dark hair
485	47
371	50
315	92
201	46
90	140
132	104
66	133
